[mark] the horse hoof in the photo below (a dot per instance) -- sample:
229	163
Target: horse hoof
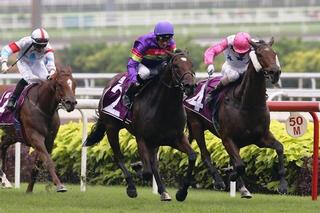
165	196
219	186
282	191
181	195
6	185
132	192
283	188
245	192
61	188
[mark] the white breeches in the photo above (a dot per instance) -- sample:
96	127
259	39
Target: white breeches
32	73
230	73
145	73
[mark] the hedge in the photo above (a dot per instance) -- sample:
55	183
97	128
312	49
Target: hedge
261	164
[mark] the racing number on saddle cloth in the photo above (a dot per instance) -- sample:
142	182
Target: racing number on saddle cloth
196	101
110	108
7	96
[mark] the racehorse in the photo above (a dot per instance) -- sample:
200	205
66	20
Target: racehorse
243	117
158	119
39	119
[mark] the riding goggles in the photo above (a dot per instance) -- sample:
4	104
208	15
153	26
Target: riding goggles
40	42
164	38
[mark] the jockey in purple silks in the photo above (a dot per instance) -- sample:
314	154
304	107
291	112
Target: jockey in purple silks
147	57
36	61
236	50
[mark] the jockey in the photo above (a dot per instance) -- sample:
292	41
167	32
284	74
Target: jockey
147	56
36	61
236	50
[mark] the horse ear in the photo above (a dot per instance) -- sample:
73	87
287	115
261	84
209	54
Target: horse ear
271	41
69	68
252	43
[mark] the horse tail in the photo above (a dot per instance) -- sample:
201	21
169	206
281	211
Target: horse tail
190	135
96	134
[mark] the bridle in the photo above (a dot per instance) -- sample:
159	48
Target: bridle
176	78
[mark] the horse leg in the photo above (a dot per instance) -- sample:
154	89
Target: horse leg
185	147
145	156
238	164
38	143
113	138
5	183
164	195
198	134
244	192
271	142
33	174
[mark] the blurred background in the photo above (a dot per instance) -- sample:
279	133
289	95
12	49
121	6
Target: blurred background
96	36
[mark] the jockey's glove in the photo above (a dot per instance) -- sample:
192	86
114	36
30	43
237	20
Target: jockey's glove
210	69
139	80
4	67
51	73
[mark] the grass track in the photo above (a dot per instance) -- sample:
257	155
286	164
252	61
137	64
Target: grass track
114	199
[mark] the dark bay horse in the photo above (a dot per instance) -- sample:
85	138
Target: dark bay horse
40	121
158	119
244	117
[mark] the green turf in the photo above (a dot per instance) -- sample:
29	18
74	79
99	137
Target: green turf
114	199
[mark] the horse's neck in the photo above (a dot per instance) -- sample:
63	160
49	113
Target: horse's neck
163	95
46	100
167	97
252	89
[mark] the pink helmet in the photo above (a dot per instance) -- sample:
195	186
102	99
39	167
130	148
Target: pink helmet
240	43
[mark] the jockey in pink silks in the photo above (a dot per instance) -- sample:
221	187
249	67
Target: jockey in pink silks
236	50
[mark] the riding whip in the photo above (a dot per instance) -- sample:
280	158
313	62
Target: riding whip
12	65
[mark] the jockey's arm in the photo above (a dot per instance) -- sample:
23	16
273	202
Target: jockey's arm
49	60
9	50
215	50
137	53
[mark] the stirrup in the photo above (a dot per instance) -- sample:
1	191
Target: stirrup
11	105
126	101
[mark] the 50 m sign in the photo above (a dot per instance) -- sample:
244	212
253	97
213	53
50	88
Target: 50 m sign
296	125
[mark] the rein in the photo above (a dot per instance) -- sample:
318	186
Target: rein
175	77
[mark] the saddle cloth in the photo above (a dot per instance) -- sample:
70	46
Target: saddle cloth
197	104
112	100
8	118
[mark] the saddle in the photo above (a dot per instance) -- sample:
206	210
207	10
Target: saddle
9	118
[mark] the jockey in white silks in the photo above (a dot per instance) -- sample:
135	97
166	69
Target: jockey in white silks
236	49
35	61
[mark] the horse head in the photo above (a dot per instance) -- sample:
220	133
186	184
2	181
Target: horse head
265	59
65	88
182	74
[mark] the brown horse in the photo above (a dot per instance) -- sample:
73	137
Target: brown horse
244	117
40	121
158	119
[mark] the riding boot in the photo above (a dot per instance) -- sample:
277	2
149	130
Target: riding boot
130	94
213	92
15	95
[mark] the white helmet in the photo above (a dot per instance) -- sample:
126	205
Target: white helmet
40	38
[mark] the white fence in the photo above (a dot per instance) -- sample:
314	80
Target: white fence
304	86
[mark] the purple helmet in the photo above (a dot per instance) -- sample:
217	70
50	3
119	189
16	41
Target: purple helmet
163	28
